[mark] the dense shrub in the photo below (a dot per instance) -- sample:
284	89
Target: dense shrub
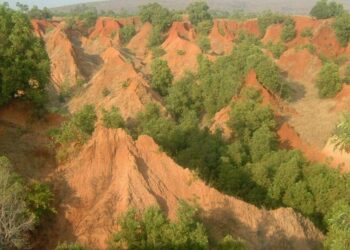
69	246
152	230
288	32
342	134
276	49
198	12
328	80
162	77
338	221
24	63
229	243
204	44
78	129
342	28
127	32
157	15
156	38
112	118
203	28
325	9
268	18
307	32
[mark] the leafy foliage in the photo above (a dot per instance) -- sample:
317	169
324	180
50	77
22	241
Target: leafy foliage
40	200
342	28
112	118
288	32
338	220
229	243
342	134
127	32
162	77
24	63
69	246
152	230
307	32
156	38
157	15
198	12
204	44
276	49
268	18
78	129
328	80
325	9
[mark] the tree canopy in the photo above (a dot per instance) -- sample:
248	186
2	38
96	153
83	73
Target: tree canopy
324	9
24	63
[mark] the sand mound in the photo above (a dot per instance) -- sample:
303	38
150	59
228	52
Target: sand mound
64	69
105	34
273	34
181	50
113	172
138	44
222	36
300	64
116	83
326	42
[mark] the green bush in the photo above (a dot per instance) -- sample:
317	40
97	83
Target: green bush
347	75
198	12
157	52
276	49
229	243
342	28
112	118
268	18
307	32
162	77
342	134
156	38
157	15
152	230
24	63
204	27
79	128
288	32
204	44
328	80
324	9
69	246
40	200
338	221
127	32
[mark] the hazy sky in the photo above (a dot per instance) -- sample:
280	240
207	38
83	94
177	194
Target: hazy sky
47	3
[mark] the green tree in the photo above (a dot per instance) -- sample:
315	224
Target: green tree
198	12
288	32
162	77
268	18
324	9
342	28
204	44
229	243
341	137
112	118
157	15
338	221
156	38
328	80
127	32
152	230
69	246
24	63
276	49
